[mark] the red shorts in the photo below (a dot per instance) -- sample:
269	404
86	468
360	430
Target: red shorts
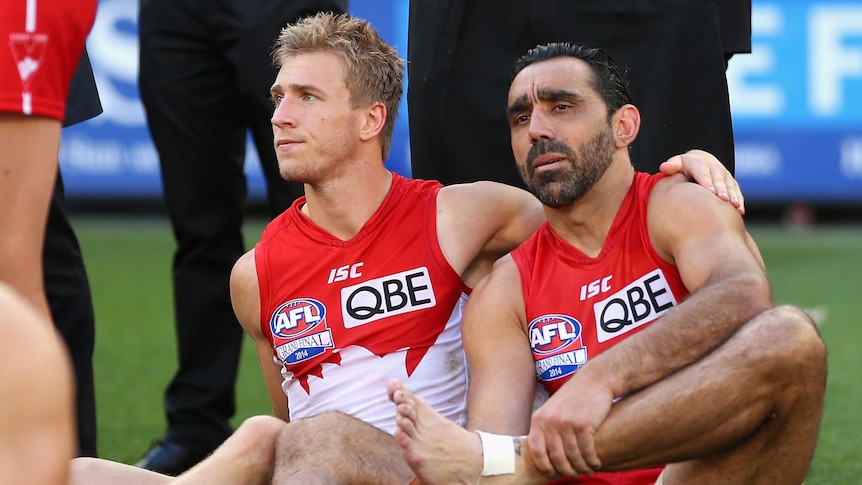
643	476
41	42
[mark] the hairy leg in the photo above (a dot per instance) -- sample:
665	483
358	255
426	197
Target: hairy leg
747	413
335	448
28	168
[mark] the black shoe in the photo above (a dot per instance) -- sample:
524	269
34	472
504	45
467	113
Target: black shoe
171	458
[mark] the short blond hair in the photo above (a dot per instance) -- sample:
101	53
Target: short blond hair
373	70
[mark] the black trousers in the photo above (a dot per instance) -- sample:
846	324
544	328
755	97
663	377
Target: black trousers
68	291
461	54
205	73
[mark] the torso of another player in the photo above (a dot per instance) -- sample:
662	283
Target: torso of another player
345	317
578	306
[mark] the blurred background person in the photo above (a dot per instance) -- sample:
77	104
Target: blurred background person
205	74
460	55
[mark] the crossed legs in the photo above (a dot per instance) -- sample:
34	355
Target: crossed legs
749	412
330	448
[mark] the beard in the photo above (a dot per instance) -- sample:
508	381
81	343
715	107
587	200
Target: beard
563	187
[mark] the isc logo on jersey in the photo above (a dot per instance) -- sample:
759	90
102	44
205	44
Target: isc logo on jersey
642	301
388	296
557	347
301	325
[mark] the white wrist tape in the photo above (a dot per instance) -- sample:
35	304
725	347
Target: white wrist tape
498	454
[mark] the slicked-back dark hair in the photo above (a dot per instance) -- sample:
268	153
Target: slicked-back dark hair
608	79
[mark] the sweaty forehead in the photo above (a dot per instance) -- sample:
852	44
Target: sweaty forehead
558	74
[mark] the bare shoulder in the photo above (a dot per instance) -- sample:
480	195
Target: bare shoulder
244	267
676	197
680	213
500	290
245	292
504	276
478	197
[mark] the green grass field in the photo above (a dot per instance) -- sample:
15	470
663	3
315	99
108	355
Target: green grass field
128	261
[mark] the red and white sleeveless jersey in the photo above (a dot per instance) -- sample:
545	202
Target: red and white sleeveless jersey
345	317
42	41
578	306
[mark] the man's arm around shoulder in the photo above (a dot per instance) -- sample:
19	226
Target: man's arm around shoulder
481	221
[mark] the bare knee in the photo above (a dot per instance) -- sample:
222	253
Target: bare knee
302	436
796	336
82	468
263	427
792	349
256	433
305	447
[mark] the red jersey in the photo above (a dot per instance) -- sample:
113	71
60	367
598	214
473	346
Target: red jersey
578	306
345	317
42	42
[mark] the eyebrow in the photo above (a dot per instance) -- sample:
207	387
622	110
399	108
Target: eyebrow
522	102
277	89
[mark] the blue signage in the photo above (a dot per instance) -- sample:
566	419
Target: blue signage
796	102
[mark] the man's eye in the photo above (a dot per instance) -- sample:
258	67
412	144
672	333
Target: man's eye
276	99
521	119
561	107
308	97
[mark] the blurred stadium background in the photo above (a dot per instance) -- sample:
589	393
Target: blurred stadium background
797	106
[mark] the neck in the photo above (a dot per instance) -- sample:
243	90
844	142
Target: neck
586	223
343	205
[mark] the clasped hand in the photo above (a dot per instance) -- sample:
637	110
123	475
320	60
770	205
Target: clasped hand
563	430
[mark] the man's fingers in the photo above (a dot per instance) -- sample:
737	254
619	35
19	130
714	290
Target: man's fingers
564	454
539	452
736	197
718	183
587	452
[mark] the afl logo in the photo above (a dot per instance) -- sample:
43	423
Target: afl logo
296	317
552	333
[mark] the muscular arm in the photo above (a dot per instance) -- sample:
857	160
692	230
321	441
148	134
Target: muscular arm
723	271
245	297
502	373
479	222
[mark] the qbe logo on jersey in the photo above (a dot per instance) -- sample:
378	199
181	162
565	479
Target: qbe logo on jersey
639	303
391	295
295	323
557	346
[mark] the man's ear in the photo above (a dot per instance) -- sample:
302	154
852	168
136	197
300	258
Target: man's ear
626	123
372	121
